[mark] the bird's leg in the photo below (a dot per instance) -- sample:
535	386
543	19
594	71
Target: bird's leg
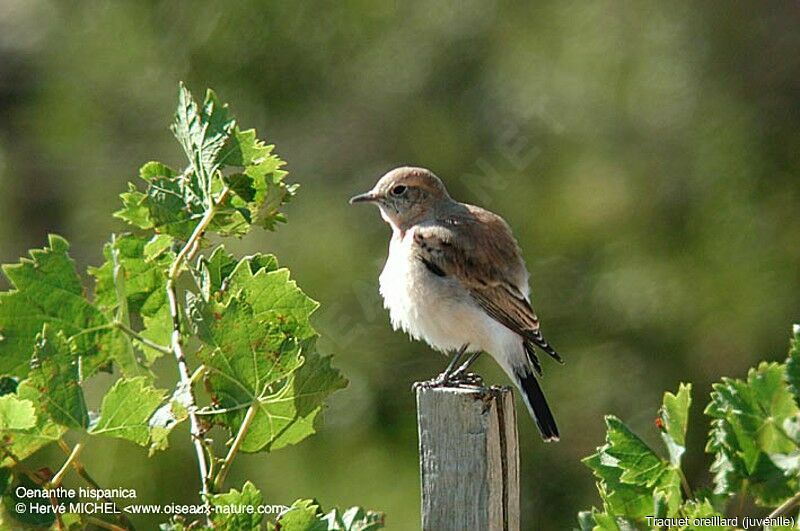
444	377
461	375
464	366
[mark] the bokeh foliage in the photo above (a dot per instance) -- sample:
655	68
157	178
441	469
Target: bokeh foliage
646	156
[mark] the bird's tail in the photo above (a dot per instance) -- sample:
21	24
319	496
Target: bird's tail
537	404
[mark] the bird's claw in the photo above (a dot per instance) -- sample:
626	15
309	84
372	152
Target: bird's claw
452	380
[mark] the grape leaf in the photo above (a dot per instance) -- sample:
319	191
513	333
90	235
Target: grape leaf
132	280
793	364
16	413
126	410
23	443
48	290
55	373
167	417
230	509
307	515
291	414
215	271
274	296
202	132
174	203
639	464
752	430
633	481
674	415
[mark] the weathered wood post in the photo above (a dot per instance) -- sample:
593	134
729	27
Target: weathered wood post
468	456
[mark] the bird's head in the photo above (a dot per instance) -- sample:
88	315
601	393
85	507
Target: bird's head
406	196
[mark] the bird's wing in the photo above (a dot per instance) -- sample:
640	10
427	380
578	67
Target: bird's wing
477	248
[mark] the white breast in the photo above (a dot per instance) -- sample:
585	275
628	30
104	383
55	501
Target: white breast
435	309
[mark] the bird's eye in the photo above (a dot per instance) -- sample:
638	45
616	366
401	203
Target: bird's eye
399	190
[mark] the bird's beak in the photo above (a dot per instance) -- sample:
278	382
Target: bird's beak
366	197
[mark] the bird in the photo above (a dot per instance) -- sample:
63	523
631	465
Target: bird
455	278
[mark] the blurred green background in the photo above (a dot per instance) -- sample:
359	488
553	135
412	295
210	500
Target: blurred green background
647	155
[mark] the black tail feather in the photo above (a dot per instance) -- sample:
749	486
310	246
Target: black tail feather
538	339
532	357
537	404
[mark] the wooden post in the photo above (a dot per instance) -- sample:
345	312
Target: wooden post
468	457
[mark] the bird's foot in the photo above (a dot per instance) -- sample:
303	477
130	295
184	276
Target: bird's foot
466	378
452	380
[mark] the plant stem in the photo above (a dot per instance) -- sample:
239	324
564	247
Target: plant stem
687	490
237	443
141	339
786	506
59	477
187	253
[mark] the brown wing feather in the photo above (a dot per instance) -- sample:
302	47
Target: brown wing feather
476	247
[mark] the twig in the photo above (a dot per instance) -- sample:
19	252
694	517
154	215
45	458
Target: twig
786	506
223	410
56	480
141	339
186	253
198	373
687	490
237	443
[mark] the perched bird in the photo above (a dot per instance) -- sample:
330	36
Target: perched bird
455	278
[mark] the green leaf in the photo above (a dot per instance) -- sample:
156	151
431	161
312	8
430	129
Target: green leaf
793	364
55	373
754	427
291	414
355	519
16	414
260	189
132	281
237	510
48	290
274	296
168	416
303	515
633	481
640	465
215	272
23	443
674	415
202	131
126	410
173	204
307	515
245	357
694	509
135	210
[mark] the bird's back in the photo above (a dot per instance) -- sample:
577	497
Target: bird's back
489	250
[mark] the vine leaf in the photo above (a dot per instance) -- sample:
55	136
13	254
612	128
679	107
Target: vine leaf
227	514
131	281
754	434
793	364
16	413
49	290
55	373
126	410
674	415
173	203
22	443
307	515
291	414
